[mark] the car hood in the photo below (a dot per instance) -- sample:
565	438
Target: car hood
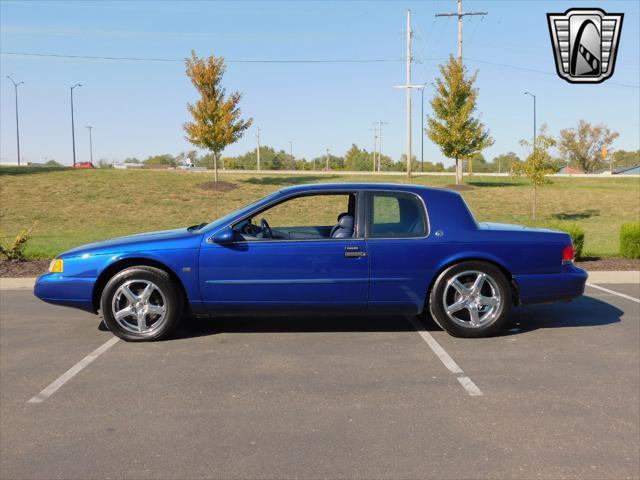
161	240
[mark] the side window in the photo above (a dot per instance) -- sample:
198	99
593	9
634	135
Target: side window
396	215
306	217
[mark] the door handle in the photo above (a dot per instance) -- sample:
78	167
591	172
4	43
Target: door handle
354	253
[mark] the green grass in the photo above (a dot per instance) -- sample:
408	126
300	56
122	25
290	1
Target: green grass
72	207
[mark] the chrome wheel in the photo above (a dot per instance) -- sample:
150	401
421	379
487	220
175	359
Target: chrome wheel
139	306
472	299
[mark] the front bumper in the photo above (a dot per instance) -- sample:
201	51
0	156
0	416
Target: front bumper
551	287
76	292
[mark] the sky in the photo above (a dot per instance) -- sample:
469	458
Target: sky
137	107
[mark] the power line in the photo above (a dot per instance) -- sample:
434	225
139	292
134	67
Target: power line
157	59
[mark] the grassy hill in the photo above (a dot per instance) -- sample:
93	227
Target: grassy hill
72	207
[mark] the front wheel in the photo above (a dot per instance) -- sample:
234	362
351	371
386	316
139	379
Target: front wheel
471	299
141	304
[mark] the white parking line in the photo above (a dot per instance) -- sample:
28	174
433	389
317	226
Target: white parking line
471	388
73	371
633	299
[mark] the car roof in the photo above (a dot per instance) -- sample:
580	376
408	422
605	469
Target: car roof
403	187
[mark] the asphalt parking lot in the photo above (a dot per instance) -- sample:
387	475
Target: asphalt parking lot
556	396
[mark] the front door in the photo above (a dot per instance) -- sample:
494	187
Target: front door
300	258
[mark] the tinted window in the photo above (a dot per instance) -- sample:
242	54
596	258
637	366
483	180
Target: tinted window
396	215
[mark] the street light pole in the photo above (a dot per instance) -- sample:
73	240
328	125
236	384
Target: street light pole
534	118
73	129
422	127
89	127
15	86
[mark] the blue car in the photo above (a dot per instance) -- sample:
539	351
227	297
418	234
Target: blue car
353	248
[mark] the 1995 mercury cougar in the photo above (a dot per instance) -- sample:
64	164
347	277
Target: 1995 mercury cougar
333	248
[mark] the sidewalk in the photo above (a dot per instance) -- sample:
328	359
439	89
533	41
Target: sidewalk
611	277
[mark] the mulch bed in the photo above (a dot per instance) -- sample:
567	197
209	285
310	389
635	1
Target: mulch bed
23	268
218	186
33	268
609	263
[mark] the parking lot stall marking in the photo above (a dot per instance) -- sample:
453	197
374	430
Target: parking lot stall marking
73	371
471	388
628	297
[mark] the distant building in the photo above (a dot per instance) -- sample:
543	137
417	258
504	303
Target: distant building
570	170
127	166
633	170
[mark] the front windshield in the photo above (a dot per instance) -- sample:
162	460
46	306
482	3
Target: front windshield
227	218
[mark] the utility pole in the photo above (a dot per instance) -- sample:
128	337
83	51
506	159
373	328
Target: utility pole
327	159
375	145
380	124
15	86
73	128
291	149
535	131
460	14
408	88
89	127
258	149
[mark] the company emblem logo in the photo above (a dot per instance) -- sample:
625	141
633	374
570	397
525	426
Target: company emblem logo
585	43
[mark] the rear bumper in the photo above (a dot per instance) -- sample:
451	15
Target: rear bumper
76	292
551	287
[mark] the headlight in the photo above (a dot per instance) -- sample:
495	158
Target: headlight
56	265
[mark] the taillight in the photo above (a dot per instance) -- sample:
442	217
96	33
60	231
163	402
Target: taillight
567	254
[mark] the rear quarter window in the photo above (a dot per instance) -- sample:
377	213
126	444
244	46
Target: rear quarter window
396	215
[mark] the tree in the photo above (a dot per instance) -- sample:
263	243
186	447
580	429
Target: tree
216	115
502	163
538	164
622	158
582	146
453	126
161	160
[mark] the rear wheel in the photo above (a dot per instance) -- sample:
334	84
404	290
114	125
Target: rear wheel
141	304
471	299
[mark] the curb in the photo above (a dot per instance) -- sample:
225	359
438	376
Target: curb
607	277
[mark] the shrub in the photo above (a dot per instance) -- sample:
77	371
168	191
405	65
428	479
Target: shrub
15	249
630	240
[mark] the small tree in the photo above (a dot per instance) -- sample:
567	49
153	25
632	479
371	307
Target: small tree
453	126
582	146
216	116
538	164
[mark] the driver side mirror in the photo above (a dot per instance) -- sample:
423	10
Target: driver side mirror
226	235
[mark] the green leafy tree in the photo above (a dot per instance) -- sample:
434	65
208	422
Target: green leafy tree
502	163
582	145
453	126
358	160
623	158
216	115
160	160
538	164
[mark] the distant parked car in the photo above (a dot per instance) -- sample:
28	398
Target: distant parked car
334	248
83	165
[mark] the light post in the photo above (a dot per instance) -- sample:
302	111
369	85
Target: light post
534	118
89	127
422	127
15	86
73	130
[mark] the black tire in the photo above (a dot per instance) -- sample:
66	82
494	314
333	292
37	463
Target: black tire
164	294
494	283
